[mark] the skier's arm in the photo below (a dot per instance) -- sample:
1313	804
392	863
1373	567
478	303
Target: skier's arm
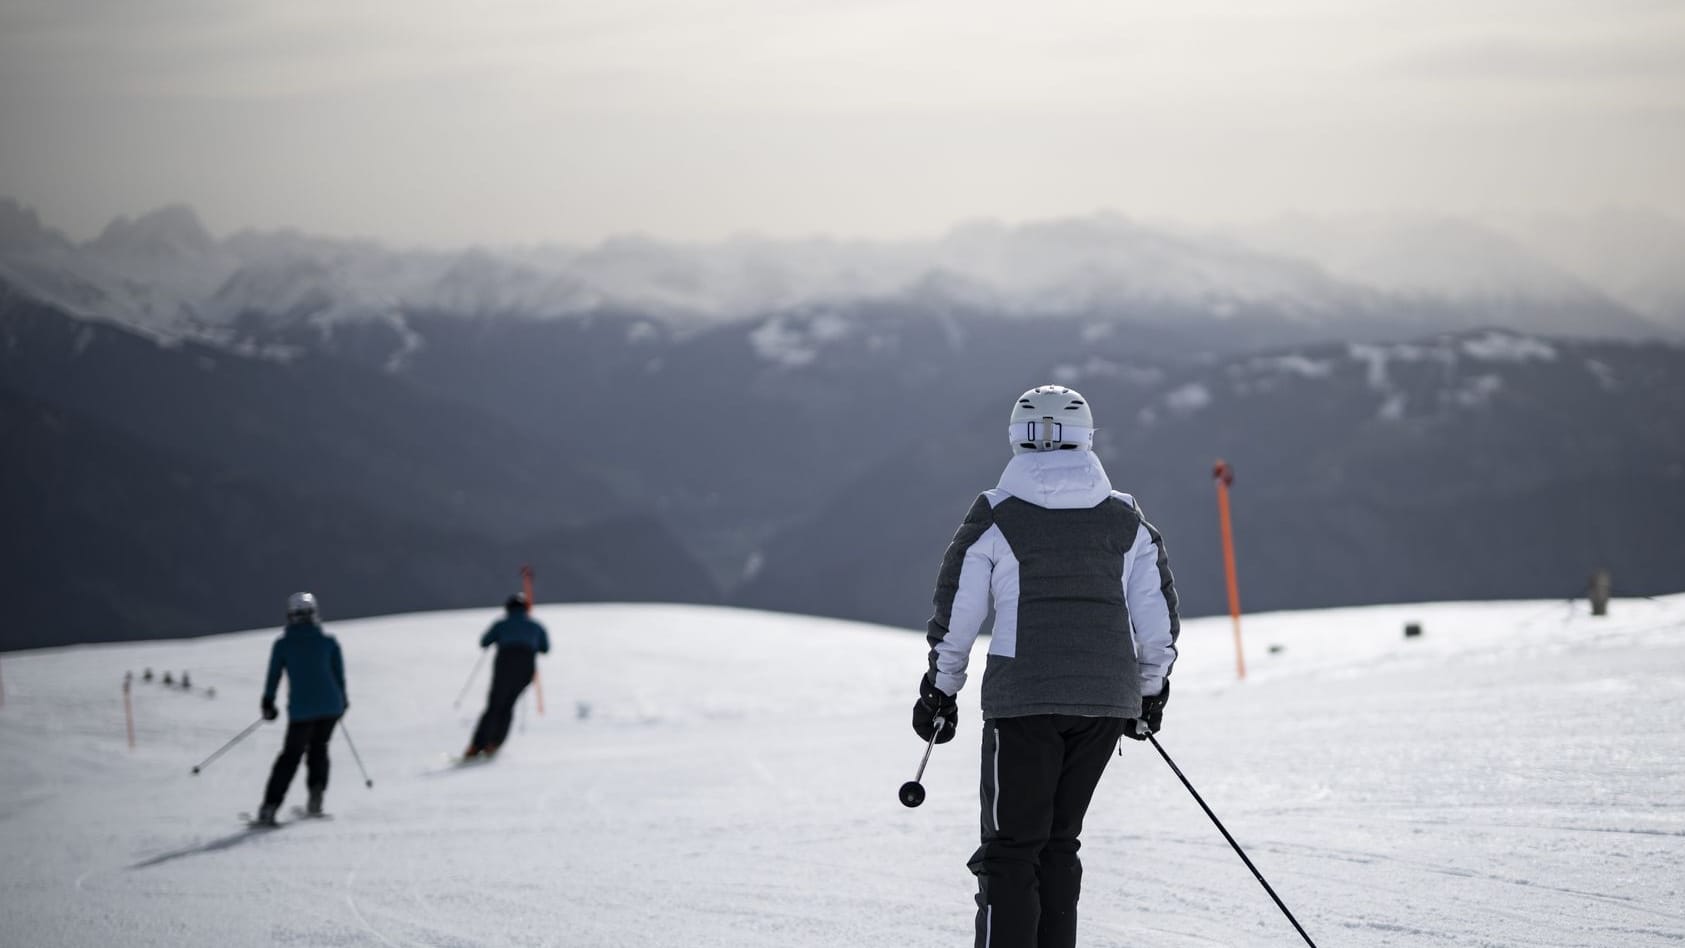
543	640
487	640
272	682
1150	591
962	596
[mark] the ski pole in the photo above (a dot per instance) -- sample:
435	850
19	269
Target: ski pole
224	748
1219	823
471	676
912	792
355	756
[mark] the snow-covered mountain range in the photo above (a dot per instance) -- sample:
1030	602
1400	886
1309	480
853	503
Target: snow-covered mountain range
708	423
165	273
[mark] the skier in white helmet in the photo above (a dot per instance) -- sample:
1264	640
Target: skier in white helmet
315	671
1082	646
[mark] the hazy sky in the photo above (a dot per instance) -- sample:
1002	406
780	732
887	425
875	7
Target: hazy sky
421	121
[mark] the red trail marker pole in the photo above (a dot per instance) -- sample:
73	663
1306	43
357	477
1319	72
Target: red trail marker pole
537	682
1224	476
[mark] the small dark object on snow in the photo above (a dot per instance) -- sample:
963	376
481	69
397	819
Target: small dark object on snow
1598	591
1277	649
147	676
1413	630
168	681
186	684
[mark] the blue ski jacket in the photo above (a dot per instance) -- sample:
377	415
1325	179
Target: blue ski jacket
518	631
315	672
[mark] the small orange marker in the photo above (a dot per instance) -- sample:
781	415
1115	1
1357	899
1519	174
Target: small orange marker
1224	476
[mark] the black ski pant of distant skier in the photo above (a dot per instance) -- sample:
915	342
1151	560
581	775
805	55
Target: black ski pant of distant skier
511	674
1039	774
307	740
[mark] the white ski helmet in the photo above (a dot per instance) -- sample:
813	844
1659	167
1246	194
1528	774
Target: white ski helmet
301	606
1051	418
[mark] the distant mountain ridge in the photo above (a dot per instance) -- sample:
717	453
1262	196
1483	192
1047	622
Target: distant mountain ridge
791	424
163	272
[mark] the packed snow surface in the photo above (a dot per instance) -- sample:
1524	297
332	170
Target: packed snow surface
1512	777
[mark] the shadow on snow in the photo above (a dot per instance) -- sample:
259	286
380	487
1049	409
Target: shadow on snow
215	845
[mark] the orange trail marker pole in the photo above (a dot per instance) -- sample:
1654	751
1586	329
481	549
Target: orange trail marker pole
1224	476
129	710
537	682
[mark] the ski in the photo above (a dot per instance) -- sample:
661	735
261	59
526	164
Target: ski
252	822
300	813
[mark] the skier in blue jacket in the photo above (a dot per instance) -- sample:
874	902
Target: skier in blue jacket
519	640
315	671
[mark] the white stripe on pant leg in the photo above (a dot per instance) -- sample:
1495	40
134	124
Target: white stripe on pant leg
997	779
988	926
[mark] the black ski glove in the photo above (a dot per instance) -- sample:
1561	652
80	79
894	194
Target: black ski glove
270	712
1152	715
934	705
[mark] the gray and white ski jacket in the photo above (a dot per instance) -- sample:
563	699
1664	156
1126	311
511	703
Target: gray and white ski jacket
1085	606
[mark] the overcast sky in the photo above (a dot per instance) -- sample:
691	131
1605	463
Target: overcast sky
420	121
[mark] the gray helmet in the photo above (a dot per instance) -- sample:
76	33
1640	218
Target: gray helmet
301	607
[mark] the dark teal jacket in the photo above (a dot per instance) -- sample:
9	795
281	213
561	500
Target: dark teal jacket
519	631
315	673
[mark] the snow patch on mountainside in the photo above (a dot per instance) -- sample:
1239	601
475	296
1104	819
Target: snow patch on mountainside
1294	364
1506	347
1478	390
1188	399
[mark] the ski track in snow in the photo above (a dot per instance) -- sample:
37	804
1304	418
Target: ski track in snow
1509	779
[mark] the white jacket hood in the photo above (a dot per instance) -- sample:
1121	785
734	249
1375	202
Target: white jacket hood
1057	480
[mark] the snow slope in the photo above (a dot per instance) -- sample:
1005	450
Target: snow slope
1511	778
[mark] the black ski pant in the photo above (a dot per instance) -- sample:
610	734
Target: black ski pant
511	673
1039	774
307	740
